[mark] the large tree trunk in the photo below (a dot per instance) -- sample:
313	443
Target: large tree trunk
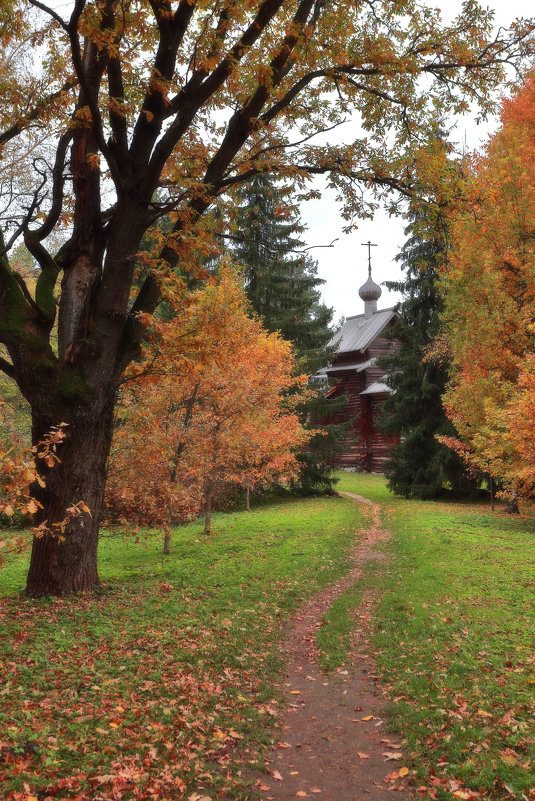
68	563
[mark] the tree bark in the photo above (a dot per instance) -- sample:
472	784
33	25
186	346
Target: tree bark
65	563
167	542
208	512
512	506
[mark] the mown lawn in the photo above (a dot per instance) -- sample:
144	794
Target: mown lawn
455	642
163	683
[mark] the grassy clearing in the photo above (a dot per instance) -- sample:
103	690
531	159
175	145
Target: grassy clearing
162	683
455	637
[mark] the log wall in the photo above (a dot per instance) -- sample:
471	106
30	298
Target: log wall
365	448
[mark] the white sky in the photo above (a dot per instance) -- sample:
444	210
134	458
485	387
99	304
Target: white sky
344	266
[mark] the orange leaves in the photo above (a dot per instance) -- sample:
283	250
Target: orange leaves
490	303
17	475
206	410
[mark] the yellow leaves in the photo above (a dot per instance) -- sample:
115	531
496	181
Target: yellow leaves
509	757
403	772
392	755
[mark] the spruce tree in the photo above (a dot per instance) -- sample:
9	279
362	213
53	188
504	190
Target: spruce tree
420	466
282	284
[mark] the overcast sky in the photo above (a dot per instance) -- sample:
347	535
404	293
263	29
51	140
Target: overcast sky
344	266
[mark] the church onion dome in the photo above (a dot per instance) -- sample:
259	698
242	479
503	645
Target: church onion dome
370	290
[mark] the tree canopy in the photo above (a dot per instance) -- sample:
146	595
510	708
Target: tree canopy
204	410
282	285
419	465
148	108
489	287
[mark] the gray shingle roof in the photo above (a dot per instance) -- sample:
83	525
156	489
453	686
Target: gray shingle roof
377	388
357	332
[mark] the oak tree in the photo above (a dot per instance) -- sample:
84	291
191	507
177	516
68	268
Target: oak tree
145	108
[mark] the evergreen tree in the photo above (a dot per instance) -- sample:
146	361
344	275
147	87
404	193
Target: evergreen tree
419	466
283	287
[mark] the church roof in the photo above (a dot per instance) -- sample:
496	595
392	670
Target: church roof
377	388
357	332
358	367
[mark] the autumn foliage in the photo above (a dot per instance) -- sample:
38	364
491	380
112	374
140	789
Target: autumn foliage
19	474
490	303
116	115
203	411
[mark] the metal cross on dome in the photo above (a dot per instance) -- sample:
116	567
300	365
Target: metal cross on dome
369	245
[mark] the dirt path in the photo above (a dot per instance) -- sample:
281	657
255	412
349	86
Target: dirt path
333	744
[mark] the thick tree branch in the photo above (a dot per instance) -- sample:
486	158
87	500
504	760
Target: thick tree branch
89	77
202	86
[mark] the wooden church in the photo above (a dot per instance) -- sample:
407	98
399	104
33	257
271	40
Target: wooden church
360	341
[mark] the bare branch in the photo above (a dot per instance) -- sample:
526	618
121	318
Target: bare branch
50	12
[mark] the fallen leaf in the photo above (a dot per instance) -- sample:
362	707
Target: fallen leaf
301	793
362	755
276	775
295	692
403	771
104	779
315	790
392	755
368	717
263	787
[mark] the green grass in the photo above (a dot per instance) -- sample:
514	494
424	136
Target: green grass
164	681
455	642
